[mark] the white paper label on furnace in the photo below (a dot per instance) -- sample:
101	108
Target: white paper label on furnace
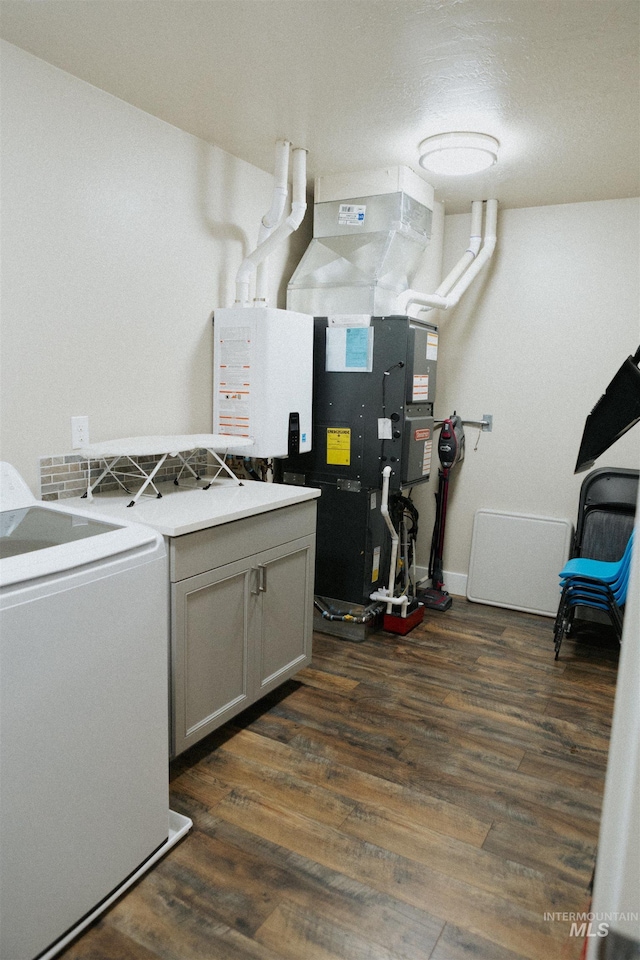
420	388
385	428
349	320
432	346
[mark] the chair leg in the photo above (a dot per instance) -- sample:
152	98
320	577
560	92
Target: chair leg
569	620
560	624
561	609
557	637
617	618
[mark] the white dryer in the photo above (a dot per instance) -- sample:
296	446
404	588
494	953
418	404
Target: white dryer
83	716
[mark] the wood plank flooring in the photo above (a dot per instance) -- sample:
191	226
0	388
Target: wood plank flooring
427	797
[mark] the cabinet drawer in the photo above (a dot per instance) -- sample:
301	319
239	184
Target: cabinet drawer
194	553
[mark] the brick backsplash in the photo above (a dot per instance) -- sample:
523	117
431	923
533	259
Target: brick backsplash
66	476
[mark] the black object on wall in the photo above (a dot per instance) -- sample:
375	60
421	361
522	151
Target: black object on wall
617	410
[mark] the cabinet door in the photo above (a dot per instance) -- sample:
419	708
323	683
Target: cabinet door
211	672
284	619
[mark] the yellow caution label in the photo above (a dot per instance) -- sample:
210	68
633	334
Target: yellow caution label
339	445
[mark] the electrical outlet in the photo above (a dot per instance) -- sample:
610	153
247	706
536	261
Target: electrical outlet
79	432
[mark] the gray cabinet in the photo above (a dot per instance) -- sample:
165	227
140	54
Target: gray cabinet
242	615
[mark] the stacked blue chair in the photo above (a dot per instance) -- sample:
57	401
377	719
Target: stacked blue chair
593	583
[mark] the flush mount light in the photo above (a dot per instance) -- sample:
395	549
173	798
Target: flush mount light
457	154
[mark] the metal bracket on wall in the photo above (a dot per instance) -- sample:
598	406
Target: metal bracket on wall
486	424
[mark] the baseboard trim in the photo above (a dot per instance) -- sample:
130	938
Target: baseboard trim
454	583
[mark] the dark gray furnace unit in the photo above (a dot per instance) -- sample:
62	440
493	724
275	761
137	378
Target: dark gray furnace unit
373	393
374	373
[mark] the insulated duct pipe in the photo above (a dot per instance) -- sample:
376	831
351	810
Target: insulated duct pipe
466	270
274	215
281	232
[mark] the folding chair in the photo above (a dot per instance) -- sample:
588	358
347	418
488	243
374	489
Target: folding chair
607	572
606	512
593	583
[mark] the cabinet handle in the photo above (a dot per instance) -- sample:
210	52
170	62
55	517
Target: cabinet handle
261	579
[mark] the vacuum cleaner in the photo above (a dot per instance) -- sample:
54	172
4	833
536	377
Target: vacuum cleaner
450	453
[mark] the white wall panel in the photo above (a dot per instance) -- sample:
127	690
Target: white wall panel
120	235
515	560
534	341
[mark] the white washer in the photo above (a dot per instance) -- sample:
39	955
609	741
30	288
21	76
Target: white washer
83	716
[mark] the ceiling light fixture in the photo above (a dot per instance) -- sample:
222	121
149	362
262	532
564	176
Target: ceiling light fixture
458	154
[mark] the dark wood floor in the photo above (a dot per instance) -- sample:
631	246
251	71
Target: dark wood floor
419	798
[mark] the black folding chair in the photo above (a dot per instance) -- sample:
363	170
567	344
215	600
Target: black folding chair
599	584
606	515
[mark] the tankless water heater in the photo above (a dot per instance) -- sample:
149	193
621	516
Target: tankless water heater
263	374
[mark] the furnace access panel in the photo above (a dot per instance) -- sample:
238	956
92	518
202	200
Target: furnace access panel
373	395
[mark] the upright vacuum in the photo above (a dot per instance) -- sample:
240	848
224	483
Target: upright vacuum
450	453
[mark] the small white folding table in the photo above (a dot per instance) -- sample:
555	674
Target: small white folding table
117	456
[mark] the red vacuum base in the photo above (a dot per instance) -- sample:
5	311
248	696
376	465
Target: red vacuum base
402	625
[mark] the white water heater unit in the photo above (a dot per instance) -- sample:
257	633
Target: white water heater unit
262	384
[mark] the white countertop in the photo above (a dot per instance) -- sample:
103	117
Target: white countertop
183	510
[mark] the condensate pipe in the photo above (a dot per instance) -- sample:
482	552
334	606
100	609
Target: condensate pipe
387	595
465	271
281	232
274	215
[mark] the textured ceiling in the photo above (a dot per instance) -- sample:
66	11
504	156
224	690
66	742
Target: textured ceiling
361	82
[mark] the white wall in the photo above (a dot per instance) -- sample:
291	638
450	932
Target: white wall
120	235
535	342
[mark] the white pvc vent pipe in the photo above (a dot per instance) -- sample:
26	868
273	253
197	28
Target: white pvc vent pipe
467	258
387	595
275	213
468	267
281	231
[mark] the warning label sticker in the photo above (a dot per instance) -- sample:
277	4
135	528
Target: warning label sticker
420	387
234	348
423	434
339	445
234	408
426	458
